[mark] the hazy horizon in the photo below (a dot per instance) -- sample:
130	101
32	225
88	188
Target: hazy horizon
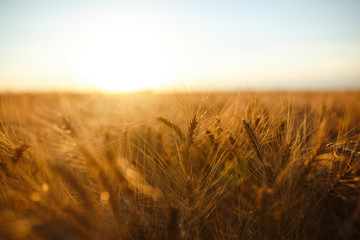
164	46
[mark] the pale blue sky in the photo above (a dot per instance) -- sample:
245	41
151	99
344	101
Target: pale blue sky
199	45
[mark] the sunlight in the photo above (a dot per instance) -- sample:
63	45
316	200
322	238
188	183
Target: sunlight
124	52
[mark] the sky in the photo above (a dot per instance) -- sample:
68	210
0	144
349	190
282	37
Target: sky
179	45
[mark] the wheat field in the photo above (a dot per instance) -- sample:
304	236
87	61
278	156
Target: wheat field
180	166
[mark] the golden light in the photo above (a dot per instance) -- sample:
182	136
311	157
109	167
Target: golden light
126	51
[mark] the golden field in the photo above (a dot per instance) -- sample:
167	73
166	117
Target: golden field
180	166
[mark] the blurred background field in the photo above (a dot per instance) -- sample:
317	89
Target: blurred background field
247	165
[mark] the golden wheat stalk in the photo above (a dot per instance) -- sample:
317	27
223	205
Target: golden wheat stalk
171	125
253	140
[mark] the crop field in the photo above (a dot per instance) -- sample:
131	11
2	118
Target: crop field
180	166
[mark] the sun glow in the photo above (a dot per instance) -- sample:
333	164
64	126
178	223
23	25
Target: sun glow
126	51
